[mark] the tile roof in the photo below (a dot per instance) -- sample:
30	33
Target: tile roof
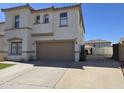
44	9
2	22
18	7
32	9
97	41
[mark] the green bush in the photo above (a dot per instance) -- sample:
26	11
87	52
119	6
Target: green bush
31	58
82	54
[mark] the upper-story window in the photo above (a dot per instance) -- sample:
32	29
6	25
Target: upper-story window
46	18
37	19
17	21
63	19
94	45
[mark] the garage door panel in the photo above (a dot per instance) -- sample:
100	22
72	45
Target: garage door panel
55	51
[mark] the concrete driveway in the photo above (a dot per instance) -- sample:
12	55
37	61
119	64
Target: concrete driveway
104	73
45	76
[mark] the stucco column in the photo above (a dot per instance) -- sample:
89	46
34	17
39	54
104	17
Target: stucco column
27	46
77	52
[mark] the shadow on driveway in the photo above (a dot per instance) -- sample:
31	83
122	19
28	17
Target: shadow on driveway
92	61
59	64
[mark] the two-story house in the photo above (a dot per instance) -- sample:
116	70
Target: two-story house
50	34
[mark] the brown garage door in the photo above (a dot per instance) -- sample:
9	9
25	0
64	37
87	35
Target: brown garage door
55	51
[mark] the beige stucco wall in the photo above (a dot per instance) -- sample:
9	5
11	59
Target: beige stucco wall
1	43
72	31
42	28
121	52
27	19
2	27
25	34
2	52
53	26
100	45
103	51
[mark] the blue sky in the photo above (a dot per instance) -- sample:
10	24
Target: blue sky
102	21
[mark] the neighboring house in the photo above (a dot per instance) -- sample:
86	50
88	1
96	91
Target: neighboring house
99	47
118	50
121	49
98	43
121	41
50	34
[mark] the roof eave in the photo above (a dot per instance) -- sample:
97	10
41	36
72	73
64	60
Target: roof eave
2	22
18	7
40	10
81	17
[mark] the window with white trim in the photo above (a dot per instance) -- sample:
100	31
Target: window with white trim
46	18
17	21
37	19
63	19
16	48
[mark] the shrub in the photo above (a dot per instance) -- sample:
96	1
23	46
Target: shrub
82	54
31	58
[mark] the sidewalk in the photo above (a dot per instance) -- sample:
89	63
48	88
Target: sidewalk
13	71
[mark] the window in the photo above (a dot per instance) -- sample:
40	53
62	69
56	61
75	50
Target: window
16	48
17	22
94	45
46	18
63	19
38	19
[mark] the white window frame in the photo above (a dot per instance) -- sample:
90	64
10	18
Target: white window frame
63	19
17	21
16	48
